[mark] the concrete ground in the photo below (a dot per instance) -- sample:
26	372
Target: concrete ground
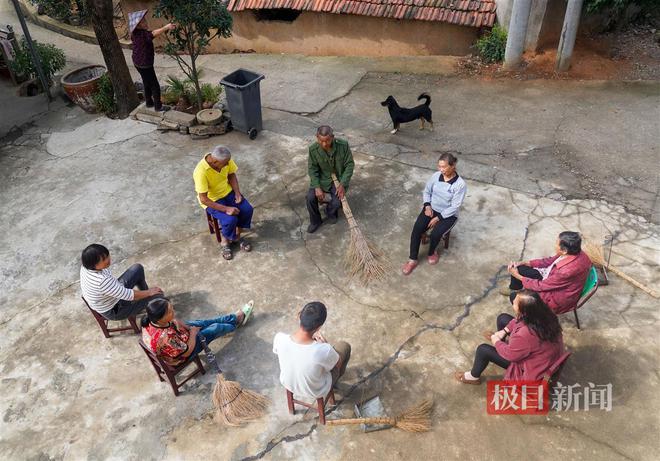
540	157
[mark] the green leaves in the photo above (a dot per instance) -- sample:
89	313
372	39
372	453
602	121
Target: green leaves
197	22
492	45
52	59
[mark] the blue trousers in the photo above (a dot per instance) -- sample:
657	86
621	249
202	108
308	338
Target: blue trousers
212	329
229	222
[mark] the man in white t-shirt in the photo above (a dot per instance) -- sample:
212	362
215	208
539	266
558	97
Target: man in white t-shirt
309	366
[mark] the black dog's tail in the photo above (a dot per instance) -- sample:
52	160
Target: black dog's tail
425	96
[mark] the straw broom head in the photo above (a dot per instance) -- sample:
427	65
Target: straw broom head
363	258
595	253
235	405
414	419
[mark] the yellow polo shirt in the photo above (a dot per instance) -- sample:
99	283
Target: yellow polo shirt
214	183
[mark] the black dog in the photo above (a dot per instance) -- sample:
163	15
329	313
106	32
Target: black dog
401	115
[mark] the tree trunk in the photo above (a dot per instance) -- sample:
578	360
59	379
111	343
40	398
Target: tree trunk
122	83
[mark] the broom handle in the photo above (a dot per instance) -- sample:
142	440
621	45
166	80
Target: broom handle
631	280
341	422
209	354
344	204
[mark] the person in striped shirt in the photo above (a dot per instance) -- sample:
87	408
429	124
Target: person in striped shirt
114	299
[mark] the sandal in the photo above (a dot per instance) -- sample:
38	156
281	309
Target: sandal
409	267
226	252
433	259
245	245
247	312
460	376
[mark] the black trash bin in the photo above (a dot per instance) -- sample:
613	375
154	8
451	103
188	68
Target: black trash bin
244	100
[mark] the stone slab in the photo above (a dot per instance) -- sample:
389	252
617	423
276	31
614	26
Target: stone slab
149	118
181	118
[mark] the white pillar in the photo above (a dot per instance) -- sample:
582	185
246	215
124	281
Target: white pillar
568	34
515	42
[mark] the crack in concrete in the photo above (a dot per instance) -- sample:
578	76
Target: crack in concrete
273	443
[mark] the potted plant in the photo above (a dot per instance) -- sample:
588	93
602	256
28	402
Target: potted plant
52	60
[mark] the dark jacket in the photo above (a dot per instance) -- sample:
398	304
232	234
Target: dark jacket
143	48
321	164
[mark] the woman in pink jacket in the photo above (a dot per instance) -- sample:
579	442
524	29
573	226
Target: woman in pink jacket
527	345
558	279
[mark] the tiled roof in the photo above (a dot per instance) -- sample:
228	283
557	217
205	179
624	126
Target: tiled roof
472	13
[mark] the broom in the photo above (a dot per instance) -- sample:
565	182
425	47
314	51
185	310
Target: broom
415	419
363	257
233	404
595	253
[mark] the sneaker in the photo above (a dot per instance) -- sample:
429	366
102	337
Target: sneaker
163	108
312	228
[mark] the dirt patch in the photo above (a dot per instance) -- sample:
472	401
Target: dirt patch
633	54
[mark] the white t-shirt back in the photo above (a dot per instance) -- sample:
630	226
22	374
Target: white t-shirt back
305	368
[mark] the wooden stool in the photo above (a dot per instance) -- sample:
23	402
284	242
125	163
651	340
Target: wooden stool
319	407
444	238
103	322
214	226
168	371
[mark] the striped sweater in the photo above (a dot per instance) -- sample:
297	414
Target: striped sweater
101	290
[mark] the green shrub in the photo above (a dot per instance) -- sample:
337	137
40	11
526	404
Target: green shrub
104	98
210	92
492	45
177	88
62	9
52	59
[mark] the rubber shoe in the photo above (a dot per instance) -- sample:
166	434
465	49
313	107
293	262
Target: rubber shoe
313	228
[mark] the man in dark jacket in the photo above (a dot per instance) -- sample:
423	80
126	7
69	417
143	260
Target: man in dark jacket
326	156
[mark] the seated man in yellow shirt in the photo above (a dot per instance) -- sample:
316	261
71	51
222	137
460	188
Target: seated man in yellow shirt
217	190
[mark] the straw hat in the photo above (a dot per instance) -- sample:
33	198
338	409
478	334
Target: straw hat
134	19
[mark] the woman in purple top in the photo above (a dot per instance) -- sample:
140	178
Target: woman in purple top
526	345
143	56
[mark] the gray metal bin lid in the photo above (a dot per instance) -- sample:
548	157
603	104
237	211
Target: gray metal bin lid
241	78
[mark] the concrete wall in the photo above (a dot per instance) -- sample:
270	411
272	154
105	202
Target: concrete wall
333	34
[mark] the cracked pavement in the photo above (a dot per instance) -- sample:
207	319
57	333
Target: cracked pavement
71	394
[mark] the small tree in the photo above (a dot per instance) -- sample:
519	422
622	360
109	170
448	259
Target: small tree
197	22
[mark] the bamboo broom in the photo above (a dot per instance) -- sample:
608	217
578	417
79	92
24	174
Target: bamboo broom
415	419
595	253
363	258
233	404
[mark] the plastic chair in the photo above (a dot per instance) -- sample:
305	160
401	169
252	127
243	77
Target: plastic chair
590	287
553	373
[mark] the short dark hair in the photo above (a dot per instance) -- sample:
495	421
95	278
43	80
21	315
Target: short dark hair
570	242
449	158
313	316
324	130
92	255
